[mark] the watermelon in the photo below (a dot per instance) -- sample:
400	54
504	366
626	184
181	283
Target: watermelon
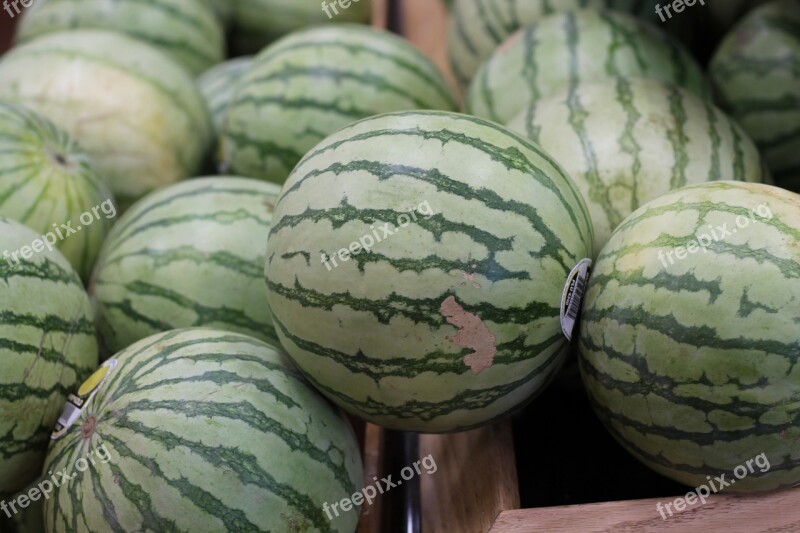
204	431
688	340
478	27
416	265
257	23
313	82
626	142
566	49
47	347
49	183
187	255
217	86
186	30
137	113
223	9
756	75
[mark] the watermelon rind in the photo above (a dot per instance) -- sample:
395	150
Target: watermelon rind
186	30
188	255
563	50
137	113
756	76
688	341
47	347
204	431
626	142
50	184
452	321
312	83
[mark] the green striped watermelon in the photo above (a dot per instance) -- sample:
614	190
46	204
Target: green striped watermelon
47	347
313	82
691	356
218	84
626	142
137	113
257	23
186	30
451	320
204	431
187	255
478	27
756	74
565	49
49	182
223	9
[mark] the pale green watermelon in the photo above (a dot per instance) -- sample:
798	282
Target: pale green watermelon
626	142
47	347
256	23
204	431
186	30
187	255
311	83
478	27
218	85
223	9
688	341
756	74
416	266
138	114
49	184
563	50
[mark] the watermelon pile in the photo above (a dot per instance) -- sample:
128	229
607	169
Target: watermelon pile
234	232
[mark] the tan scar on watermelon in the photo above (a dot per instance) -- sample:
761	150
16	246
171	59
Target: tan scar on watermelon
472	333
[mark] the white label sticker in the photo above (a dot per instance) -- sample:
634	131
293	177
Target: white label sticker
76	403
572	297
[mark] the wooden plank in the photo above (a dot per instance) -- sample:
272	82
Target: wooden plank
425	25
476	478
771	512
380	13
374	445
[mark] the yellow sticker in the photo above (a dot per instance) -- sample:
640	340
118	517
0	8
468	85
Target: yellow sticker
75	404
94	381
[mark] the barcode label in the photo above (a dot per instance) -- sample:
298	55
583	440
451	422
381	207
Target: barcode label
577	298
572	298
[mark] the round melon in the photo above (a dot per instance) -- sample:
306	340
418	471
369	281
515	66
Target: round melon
204	431
218	85
223	9
416	266
311	83
50	185
688	340
47	347
756	75
626	142
565	49
188	255
478	27
186	30
137	113
256	23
